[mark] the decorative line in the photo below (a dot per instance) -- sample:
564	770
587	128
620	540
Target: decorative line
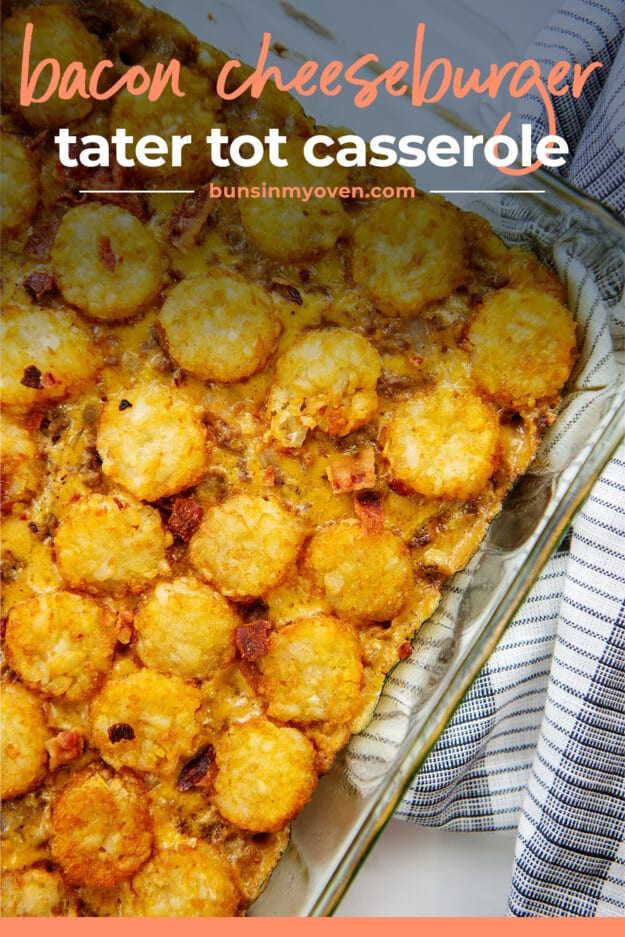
487	191
136	191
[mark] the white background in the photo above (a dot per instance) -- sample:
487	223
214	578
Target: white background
412	871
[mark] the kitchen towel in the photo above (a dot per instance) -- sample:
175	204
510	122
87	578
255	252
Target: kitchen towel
538	744
540	739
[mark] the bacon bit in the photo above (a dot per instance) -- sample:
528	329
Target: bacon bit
253	640
200	771
121	731
352	472
39	284
32	377
185	518
39	244
106	181
106	255
404	650
120	504
186	222
369	510
49	380
33	421
66	746
111	178
400	487
415	360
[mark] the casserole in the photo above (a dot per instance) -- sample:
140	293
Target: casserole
80	574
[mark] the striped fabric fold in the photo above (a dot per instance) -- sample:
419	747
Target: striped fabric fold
538	744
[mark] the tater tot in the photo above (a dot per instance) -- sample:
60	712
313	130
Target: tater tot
19	183
524	345
443	444
288	229
265	774
60	644
146	721
185	627
327	379
152	441
194	114
313	671
21	469
246	545
187	880
46	355
219	326
24	736
57	33
409	253
111	543
101	827
106	261
35	892
365	575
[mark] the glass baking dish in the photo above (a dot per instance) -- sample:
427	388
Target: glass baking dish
334	833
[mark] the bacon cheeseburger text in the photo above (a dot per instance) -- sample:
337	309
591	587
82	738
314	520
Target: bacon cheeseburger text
424	83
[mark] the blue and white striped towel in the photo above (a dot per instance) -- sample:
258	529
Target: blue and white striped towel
539	742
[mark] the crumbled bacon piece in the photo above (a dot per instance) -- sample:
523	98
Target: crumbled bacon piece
66	746
49	380
39	244
199	771
104	183
369	510
186	222
121	731
404	650
185	518
352	472
39	284
252	640
32	377
399	487
33	420
106	254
